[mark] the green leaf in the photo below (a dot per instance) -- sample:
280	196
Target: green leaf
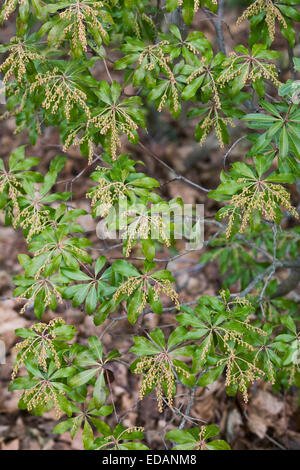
210	431
172	5
91	300
63	427
75	274
99	394
287	321
87	435
148	247
188	11
125	268
163	274
96	347
283	142
133	306
99	264
263	163
158	337
175	30
281	178
191	89
218	445
144	347
210	376
82	378
243	169
81	292
180	436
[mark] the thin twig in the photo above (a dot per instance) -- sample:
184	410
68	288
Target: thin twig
110	325
189	406
112	397
176	175
69	184
232	147
107	71
261	297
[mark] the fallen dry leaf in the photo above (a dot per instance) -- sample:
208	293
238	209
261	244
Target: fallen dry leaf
257	425
267	403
